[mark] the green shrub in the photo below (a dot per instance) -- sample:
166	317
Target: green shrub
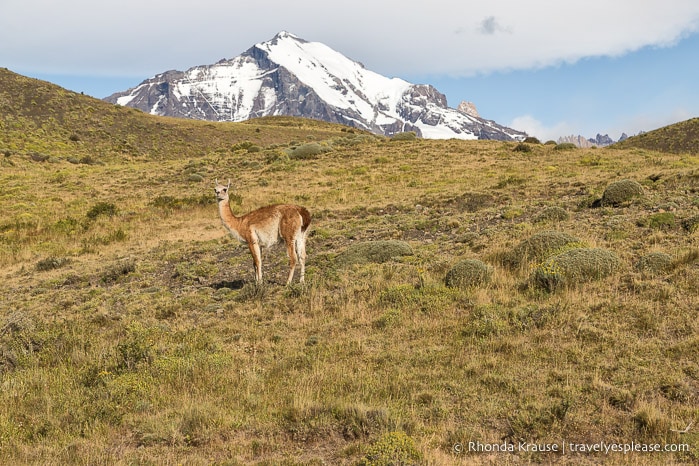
87	160
407	136
51	263
668	207
171	202
620	192
116	271
66	226
390	318
554	213
538	247
661	220
106	209
531	140
307	151
655	262
244	145
691	224
37	157
649	421
564	146
135	350
486	321
574	266
374	251
392	449
195	178
468	273
253	291
522	147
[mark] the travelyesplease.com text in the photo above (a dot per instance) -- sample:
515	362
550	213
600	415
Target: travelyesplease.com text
569	447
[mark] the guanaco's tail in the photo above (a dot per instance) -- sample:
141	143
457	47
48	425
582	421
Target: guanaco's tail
305	218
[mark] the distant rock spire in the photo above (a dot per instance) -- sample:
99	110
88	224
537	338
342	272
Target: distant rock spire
469	108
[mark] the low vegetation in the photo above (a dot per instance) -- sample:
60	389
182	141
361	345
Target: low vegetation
443	315
575	266
468	273
619	192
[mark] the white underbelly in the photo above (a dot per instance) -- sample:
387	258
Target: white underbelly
267	238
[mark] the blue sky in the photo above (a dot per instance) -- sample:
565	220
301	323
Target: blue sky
548	68
639	91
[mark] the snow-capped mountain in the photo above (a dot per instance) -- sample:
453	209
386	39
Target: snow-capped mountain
290	76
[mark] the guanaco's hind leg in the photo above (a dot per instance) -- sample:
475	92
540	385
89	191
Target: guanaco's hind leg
301	252
256	259
291	251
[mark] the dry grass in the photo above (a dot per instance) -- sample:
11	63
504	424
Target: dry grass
131	331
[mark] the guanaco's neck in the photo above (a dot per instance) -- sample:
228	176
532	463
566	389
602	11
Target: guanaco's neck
230	221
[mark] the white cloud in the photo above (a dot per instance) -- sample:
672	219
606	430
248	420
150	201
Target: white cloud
458	37
539	130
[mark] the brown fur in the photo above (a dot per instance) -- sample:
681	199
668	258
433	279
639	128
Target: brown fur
265	226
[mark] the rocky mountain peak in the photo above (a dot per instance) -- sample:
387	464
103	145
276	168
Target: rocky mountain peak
290	76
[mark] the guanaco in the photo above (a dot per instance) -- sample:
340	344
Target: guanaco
264	227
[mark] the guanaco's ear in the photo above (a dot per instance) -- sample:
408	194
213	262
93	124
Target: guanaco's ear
216	181
229	183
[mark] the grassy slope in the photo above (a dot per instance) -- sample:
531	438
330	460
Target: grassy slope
130	331
679	138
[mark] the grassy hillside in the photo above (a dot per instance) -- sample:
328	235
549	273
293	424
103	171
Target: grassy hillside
131	330
37	117
679	138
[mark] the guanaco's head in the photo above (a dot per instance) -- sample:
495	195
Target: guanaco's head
222	191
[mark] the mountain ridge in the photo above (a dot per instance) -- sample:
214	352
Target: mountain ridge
290	76
598	141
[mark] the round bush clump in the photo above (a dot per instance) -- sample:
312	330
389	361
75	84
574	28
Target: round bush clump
554	213
575	266
654	262
468	273
307	151
393	448
538	247
620	192
374	251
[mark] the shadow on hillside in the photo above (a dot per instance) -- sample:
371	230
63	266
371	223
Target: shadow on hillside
232	285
